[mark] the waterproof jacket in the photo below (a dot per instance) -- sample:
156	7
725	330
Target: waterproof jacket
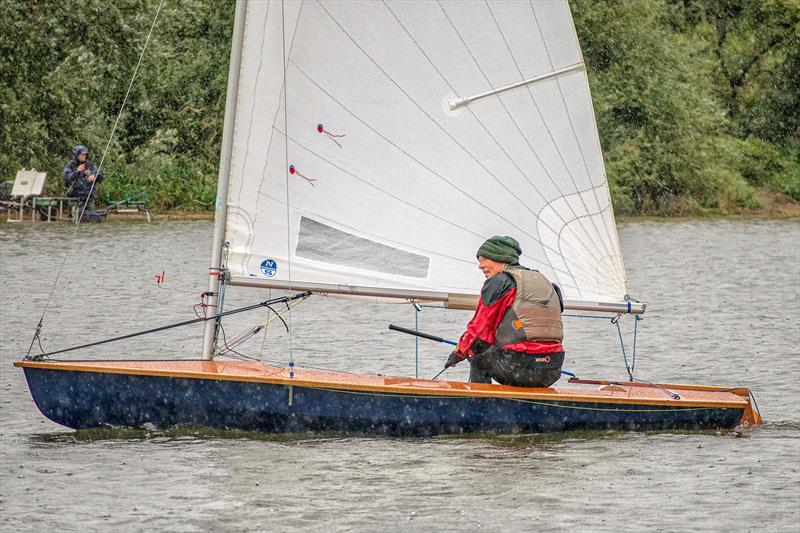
76	182
497	302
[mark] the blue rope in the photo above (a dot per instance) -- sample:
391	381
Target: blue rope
624	355
416	341
636	320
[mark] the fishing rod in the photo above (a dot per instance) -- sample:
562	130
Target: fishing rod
446	341
266	303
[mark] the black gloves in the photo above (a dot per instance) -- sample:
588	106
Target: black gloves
453	359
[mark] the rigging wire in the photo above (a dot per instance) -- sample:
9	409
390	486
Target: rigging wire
286	299
121	108
286	166
37	333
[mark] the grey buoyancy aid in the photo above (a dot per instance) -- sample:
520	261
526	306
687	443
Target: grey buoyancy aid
535	314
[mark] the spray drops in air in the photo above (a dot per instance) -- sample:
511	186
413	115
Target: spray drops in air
331	136
293	170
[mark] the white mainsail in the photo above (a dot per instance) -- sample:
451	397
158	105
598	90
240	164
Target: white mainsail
360	169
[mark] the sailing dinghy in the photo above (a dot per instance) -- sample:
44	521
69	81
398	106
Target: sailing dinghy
369	148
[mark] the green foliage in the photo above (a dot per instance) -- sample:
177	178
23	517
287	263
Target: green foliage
697	101
66	67
763	164
694	100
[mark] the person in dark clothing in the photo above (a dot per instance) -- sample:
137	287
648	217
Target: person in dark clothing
81	177
515	335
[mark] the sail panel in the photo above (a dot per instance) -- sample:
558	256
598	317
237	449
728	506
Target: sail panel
354	171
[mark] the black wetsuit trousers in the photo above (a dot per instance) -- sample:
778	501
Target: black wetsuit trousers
517	369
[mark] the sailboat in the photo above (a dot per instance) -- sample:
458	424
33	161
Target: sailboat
368	149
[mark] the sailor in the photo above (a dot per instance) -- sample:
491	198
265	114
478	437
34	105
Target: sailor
81	177
516	333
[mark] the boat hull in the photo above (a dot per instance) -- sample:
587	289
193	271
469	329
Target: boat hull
82	399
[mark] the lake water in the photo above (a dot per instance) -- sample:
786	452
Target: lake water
723	309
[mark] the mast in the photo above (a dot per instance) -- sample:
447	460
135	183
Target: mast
221	204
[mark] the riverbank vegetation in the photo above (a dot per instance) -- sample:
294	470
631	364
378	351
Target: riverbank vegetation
697	101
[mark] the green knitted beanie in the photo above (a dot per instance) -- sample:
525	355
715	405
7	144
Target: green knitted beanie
502	249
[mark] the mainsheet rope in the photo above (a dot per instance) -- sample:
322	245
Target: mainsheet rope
38	331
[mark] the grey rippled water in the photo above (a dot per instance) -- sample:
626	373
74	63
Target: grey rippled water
723	308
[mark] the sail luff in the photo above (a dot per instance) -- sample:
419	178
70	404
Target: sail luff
221	204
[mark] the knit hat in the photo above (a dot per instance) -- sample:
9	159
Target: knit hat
502	249
78	150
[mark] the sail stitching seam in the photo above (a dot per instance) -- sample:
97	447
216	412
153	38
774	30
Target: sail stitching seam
271	137
431	252
598	258
588	279
253	105
483	126
486	130
574	134
387	193
613	273
397	85
522	134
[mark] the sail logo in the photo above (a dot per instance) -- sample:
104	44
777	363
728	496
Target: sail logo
269	268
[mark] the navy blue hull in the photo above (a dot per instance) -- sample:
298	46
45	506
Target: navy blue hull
93	399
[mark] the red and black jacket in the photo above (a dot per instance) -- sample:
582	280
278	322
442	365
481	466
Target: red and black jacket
497	297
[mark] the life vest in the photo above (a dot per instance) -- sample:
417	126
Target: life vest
535	314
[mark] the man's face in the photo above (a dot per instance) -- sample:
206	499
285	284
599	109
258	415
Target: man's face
81	157
489	267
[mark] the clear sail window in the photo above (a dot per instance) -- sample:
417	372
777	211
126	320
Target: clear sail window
320	242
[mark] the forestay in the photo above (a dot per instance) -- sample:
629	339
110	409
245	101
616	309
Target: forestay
367	175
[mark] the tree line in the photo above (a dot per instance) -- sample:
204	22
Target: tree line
697	101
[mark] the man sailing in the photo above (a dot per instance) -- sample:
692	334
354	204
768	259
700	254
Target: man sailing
516	333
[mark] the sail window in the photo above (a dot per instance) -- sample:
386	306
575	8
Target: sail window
321	242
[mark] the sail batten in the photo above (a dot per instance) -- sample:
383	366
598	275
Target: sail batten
356	172
461	102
